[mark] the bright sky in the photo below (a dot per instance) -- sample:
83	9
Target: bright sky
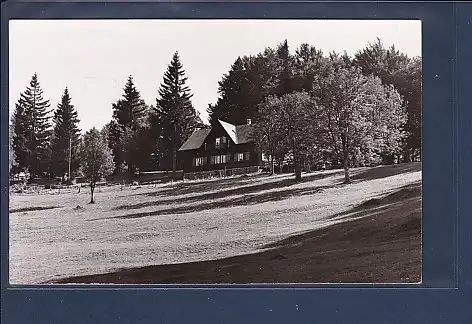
93	58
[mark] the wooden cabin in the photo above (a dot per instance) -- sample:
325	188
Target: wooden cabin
226	148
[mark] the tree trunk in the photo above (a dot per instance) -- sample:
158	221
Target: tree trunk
92	188
347	177
131	170
272	165
406	155
298	169
174	161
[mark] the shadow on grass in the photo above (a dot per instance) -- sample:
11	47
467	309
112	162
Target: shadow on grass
387	171
383	247
239	201
250	189
27	209
183	188
396	203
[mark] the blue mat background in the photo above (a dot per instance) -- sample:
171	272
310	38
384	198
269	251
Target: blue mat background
445	295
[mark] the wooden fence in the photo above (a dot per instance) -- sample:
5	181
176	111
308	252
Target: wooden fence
221	173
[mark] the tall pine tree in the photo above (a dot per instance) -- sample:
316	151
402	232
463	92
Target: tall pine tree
128	115
285	70
178	118
251	79
32	130
240	92
11	153
128	111
65	138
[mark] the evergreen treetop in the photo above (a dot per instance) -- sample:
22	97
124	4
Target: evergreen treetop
131	108
32	129
66	137
174	113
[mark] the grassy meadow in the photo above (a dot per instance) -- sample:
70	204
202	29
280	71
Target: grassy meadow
253	227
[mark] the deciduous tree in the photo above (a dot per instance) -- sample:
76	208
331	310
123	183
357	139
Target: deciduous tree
96	157
357	113
289	124
404	73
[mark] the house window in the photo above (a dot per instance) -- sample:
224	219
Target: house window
242	156
220	142
219	159
238	157
199	161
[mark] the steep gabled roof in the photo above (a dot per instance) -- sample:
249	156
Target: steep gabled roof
230	129
195	140
239	134
244	133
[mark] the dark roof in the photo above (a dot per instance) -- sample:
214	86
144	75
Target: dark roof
240	134
195	140
244	133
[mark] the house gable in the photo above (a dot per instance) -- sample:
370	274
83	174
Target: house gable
224	146
230	130
239	134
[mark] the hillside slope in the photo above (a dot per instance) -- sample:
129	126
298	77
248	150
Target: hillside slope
376	240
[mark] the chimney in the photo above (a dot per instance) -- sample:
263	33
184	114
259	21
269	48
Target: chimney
249	121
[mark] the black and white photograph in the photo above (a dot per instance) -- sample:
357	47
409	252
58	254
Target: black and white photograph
215	151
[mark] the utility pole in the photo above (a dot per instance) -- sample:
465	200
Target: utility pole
70	156
174	152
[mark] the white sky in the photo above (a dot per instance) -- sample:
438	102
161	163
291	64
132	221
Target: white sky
94	58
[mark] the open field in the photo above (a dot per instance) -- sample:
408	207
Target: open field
362	232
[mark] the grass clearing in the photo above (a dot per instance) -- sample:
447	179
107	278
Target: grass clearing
189	221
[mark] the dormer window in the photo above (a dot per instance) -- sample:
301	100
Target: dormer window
220	142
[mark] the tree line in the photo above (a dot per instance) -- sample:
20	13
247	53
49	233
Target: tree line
309	108
336	109
139	136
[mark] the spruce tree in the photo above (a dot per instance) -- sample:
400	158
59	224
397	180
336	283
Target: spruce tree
128	115
65	139
128	111
240	91
253	78
11	153
19	146
175	110
285	70
32	130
